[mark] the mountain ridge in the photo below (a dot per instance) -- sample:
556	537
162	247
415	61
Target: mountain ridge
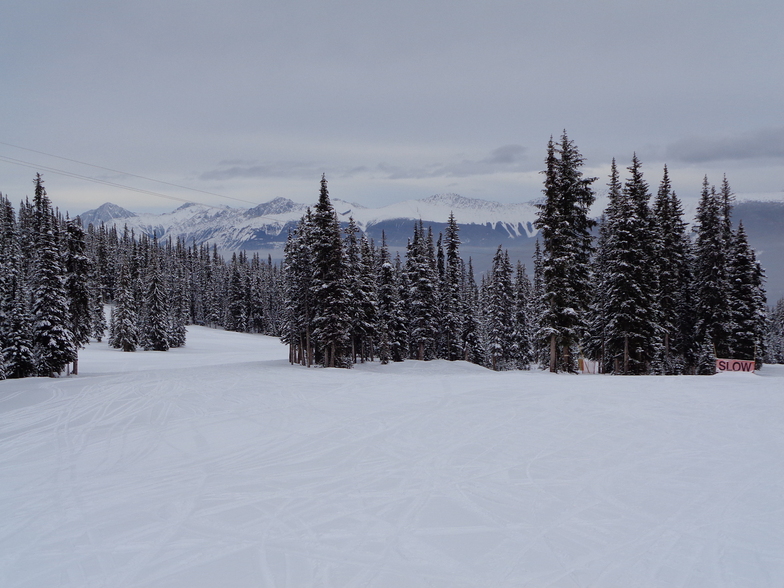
265	225
484	225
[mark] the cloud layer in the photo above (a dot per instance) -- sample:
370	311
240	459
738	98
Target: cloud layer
761	144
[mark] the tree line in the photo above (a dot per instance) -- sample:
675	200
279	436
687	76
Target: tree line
56	279
636	291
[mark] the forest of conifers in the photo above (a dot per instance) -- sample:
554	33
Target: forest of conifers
636	291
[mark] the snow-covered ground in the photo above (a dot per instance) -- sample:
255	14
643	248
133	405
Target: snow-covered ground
221	465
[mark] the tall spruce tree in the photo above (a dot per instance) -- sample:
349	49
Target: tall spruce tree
746	336
452	305
566	234
774	335
329	289
391	321
471	335
672	263
499	310
16	345
711	296
124	319
522	350
156	323
422	298
366	294
78	270
53	341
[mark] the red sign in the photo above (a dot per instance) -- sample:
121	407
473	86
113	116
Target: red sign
735	365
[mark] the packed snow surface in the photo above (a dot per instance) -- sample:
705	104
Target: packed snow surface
219	464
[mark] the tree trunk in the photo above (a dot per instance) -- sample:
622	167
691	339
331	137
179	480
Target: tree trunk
75	370
626	355
666	351
308	350
553	354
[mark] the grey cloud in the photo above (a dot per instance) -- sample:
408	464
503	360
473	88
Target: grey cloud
272	170
246	162
505	158
758	144
507	154
299	170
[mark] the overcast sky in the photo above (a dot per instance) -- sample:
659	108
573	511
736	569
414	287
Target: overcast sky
392	100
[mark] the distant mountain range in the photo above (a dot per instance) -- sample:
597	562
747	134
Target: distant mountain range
484	225
267	225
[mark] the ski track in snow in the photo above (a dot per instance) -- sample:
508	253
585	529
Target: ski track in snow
221	465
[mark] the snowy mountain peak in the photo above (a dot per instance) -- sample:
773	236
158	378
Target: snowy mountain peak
457	201
276	206
268	224
105	213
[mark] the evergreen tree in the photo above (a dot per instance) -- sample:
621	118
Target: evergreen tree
599	313
78	269
452	305
500	312
329	288
16	346
540	344
53	341
179	312
422	297
711	302
97	315
391	321
472	330
236	317
366	299
774	340
297	330
672	264
353	303
522	351
156	324
566	233
632	328
124	329
745	339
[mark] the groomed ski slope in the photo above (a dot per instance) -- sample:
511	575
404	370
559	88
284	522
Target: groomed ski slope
220	465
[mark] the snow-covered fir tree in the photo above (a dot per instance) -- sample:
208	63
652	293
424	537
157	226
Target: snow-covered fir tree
630	335
422	295
78	269
774	335
124	332
673	265
452	303
712	288
566	235
329	288
522	336
499	312
53	341
155	320
747	301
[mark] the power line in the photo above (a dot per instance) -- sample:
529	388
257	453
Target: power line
53	170
126	173
96	180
